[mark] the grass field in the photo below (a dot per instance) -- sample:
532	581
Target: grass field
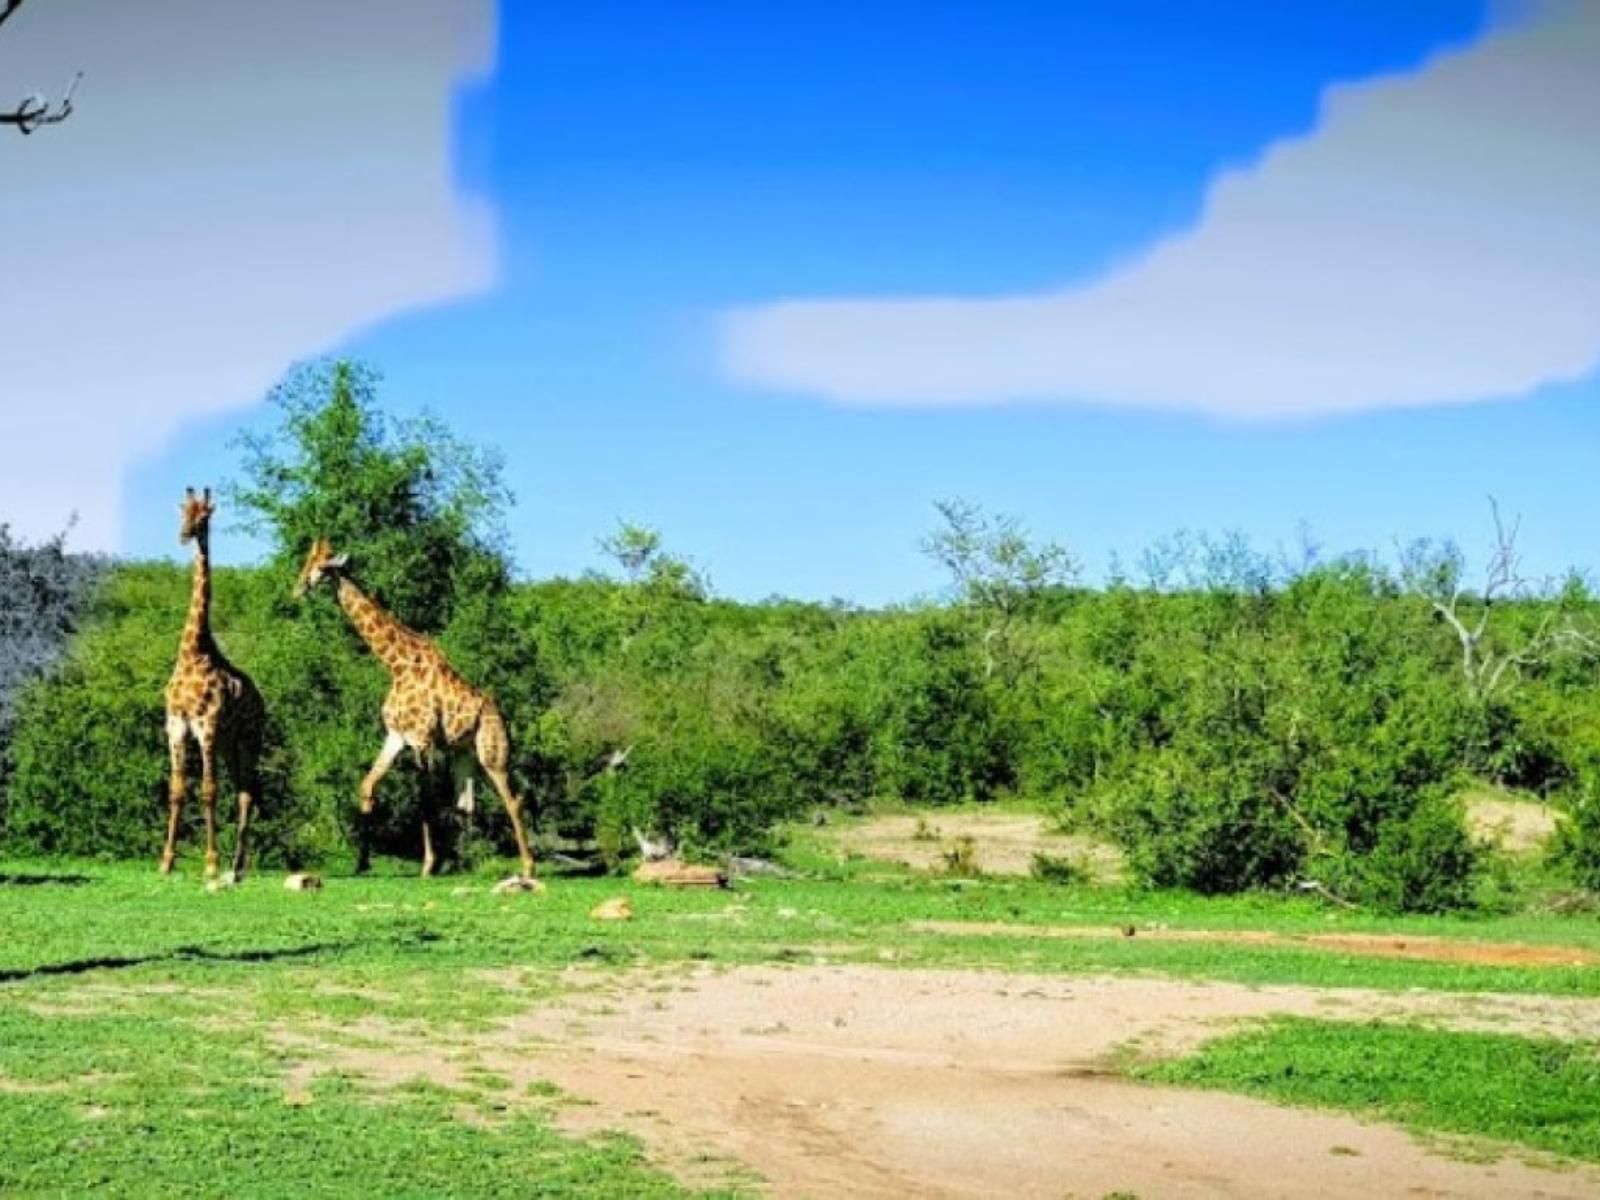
1541	1092
158	1037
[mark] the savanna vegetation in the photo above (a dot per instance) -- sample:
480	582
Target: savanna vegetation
1278	746
1233	720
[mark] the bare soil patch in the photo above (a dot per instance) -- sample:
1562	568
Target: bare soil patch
1429	949
1005	842
1516	826
856	1081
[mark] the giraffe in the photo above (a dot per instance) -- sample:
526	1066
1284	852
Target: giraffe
212	701
430	708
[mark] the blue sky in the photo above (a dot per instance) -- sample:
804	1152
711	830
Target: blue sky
653	176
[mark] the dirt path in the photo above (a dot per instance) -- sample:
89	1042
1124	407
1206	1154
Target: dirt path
851	1081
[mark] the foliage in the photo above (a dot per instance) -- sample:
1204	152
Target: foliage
960	857
999	576
1256	738
417	510
1577	845
1423	863
1053	868
1235	722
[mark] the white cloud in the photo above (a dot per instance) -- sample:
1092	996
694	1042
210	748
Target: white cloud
1435	239
242	185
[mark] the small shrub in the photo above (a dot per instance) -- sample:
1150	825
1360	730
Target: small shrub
961	858
1051	868
1425	863
1576	849
924	832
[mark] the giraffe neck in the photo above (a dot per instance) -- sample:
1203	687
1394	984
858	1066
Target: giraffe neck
197	629
386	637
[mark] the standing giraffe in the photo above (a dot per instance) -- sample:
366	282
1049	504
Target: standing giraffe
429	706
210	700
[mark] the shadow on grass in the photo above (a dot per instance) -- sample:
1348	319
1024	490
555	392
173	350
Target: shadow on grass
8	880
191	954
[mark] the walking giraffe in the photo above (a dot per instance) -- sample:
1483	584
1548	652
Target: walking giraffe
429	707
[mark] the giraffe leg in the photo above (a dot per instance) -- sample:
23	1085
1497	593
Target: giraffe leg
426	805
208	796
513	804
363	843
462	769
392	745
177	750
248	781
493	750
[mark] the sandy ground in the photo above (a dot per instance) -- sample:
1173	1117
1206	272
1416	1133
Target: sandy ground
855	1081
1519	827
1005	842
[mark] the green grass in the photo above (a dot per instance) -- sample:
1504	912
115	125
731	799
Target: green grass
127	917
176	1093
141	1018
1535	1092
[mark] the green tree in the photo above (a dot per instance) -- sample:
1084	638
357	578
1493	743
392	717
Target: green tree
418	510
999	575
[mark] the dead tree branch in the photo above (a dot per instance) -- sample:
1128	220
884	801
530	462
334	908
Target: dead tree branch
34	110
1437	575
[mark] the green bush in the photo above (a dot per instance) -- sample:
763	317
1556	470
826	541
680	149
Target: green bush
1232	726
1576	849
1052	868
1423	863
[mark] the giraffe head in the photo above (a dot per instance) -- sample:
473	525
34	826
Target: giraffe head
196	512
321	565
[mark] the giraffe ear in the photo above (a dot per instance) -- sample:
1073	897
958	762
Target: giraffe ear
340	563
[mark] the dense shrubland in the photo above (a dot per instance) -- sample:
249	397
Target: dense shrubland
1232	720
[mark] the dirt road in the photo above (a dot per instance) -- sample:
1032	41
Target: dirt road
837	1081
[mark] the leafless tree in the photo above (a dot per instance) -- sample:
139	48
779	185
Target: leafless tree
34	110
1491	658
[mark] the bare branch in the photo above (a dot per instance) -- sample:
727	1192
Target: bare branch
35	111
1490	658
1313	835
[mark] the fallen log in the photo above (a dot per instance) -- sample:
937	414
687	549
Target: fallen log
670	872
